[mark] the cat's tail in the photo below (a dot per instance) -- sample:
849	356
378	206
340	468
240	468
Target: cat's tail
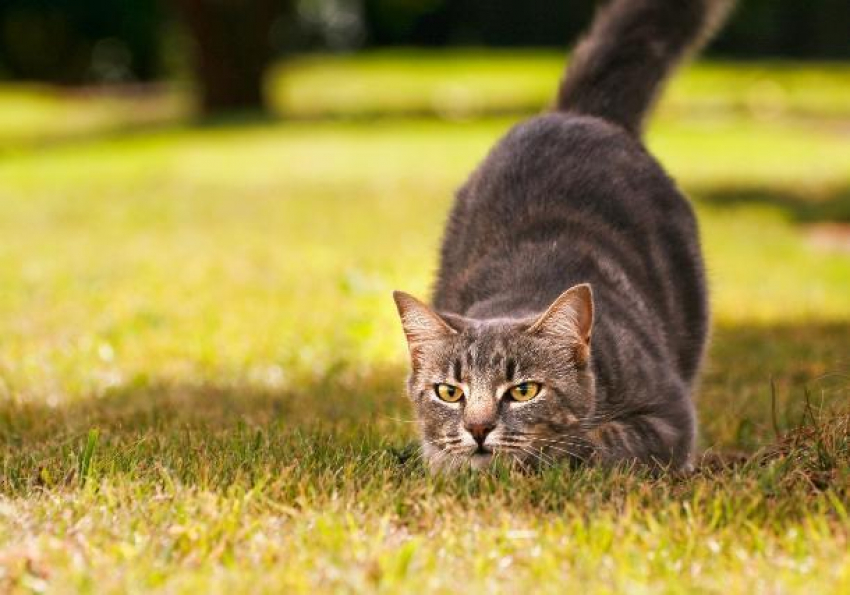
619	67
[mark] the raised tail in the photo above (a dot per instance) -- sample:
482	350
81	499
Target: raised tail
618	69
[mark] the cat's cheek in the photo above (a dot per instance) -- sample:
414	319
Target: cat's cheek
432	455
437	418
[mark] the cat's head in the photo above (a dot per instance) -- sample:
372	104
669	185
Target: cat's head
518	388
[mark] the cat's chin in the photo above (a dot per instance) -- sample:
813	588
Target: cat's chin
480	460
477	461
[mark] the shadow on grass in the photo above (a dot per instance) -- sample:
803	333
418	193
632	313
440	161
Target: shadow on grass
243	121
207	432
339	399
246	121
829	206
212	435
757	379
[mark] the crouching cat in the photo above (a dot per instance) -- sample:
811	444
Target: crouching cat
570	312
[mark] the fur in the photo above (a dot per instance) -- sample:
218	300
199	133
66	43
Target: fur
570	259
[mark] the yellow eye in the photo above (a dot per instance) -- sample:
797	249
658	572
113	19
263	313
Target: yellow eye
525	391
449	393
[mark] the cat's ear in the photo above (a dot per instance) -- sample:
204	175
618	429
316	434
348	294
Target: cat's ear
421	324
571	315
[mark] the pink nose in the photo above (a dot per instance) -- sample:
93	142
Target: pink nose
479	431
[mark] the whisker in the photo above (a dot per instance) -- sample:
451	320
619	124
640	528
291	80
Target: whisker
537	455
565	442
399	420
568	452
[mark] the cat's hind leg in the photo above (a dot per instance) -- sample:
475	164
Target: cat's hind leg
665	441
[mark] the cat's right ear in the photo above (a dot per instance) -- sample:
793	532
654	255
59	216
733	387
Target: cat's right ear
421	324
570	315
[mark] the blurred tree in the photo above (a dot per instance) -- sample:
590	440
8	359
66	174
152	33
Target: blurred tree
532	22
332	24
74	42
94	41
477	22
787	28
233	48
759	28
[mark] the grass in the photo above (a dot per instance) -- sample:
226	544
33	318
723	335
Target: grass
201	370
462	84
452	85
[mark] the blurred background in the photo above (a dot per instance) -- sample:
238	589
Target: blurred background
225	50
220	195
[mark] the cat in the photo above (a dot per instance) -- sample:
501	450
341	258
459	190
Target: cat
570	314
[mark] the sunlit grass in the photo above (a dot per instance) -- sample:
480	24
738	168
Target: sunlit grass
32	113
463	84
215	303
452	85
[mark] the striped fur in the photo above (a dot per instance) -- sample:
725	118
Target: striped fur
568	198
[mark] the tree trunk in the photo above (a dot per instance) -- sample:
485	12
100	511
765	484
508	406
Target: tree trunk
232	50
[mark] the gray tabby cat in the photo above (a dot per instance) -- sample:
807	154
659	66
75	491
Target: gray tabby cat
568	201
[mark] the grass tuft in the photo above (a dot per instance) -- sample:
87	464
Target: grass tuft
86	457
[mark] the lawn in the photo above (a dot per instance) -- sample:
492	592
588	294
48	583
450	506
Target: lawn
201	368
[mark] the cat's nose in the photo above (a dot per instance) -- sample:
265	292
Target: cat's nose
479	431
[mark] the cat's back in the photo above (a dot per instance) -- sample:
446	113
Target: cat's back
566	199
559	163
566	177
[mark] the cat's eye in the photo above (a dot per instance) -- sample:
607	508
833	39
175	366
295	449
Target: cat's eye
448	393
524	391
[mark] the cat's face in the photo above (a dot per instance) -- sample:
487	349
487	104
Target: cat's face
509	388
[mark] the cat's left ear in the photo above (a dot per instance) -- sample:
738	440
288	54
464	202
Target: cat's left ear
571	315
421	324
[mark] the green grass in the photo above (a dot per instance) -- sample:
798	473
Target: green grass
201	371
462	84
451	85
